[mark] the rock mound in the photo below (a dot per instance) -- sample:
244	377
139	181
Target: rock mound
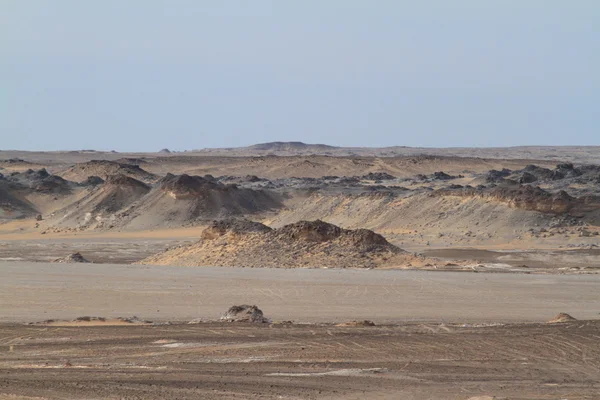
87	318
319	231
362	323
566	175
364	239
14	161
104	168
442	176
234	226
378	176
242	179
244	313
562	317
72	258
527	177
311	231
41	181
301	244
186	186
497	176
124	180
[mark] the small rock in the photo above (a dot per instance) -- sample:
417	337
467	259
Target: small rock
365	322
244	313
562	317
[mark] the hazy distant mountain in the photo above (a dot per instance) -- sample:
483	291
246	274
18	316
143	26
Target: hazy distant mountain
290	146
580	154
556	154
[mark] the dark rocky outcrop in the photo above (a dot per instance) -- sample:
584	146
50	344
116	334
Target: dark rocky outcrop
525	197
378	176
72	258
495	175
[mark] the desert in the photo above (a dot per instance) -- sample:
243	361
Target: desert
277	200
524	211
419	276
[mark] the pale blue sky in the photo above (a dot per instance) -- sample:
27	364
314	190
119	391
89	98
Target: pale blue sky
148	74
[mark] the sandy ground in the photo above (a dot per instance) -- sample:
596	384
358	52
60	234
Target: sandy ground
545	260
233	361
38	291
19	243
97	250
16	244
439	335
21	230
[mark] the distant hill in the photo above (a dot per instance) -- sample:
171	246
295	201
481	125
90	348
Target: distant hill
578	154
290	146
14	160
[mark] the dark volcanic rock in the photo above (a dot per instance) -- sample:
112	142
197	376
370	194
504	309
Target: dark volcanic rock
566	170
495	175
53	184
527	177
41	181
378	176
539	173
442	176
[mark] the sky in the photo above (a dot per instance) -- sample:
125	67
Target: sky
142	75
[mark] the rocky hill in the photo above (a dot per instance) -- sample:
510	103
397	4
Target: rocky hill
179	200
104	168
301	244
101	204
32	192
294	147
176	200
531	198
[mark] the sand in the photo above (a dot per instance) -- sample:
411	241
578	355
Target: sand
258	361
37	291
437	335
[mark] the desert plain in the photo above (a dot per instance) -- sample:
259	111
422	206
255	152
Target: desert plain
382	273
